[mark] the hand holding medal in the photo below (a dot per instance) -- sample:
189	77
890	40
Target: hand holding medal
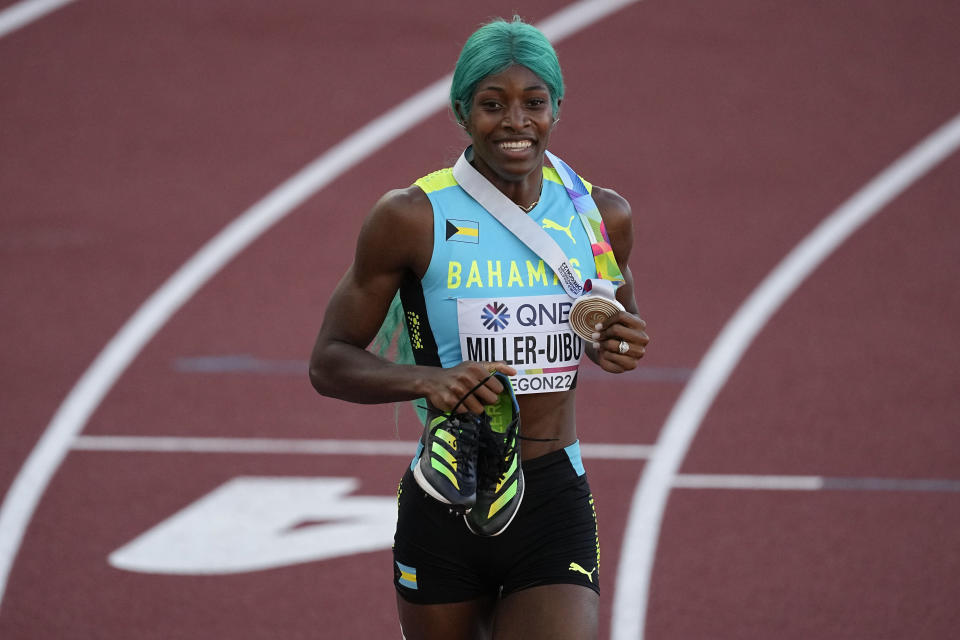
620	344
597	303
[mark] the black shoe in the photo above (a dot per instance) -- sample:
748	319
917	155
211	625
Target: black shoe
447	468
499	475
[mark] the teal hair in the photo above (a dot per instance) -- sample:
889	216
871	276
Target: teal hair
498	45
392	343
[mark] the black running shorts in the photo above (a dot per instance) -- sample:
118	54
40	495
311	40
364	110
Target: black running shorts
552	539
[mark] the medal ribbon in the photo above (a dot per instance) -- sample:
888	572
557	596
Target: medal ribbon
595	299
607	267
519	223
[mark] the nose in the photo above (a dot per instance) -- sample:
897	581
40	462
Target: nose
515	117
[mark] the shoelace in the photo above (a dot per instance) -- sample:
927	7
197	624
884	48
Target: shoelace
466	425
495	454
467	435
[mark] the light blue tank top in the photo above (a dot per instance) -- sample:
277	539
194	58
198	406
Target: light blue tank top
489	297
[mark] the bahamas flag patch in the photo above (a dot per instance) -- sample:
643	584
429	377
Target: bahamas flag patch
463	231
407	576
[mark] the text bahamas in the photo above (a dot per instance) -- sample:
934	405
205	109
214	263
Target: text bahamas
536	274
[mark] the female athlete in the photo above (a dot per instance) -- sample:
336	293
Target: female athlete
496	534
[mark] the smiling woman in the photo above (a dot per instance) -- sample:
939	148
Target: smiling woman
491	540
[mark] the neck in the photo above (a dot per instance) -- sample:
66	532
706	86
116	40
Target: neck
524	190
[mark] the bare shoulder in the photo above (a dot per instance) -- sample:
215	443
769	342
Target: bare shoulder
398	231
614	208
407	207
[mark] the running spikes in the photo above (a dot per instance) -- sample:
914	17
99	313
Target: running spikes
447	468
500	478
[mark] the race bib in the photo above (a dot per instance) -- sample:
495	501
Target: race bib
531	335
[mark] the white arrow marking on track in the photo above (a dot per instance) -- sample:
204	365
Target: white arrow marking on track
256	523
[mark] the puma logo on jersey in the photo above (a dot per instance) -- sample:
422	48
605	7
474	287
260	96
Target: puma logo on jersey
575	567
550	224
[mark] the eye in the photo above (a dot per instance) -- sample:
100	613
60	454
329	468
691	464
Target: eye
536	105
489	105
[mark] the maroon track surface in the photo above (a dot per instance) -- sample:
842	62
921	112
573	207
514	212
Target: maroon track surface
130	135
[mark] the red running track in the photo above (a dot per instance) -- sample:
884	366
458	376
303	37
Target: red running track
131	135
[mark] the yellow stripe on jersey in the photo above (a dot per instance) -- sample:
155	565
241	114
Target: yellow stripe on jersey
443	179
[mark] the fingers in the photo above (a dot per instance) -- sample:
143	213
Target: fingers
469	386
620	342
502	367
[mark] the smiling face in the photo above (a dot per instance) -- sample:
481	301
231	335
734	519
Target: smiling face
510	121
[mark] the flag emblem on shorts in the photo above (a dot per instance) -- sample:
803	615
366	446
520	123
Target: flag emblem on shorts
463	231
407	577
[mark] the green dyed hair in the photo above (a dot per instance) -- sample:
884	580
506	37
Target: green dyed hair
498	45
392	343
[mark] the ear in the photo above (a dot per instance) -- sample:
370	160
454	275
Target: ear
458	112
556	114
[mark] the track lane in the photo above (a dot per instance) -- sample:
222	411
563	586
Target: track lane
84	398
670	208
728	349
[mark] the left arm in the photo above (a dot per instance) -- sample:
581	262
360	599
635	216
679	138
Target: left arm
625	325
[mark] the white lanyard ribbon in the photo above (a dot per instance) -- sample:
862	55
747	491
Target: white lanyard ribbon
510	215
595	298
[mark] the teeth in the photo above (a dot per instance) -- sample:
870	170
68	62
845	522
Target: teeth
516	146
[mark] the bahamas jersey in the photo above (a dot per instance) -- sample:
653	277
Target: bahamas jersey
486	296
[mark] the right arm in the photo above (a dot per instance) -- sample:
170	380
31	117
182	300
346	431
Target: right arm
396	239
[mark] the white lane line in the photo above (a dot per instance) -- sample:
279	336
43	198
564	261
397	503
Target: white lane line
814	483
405	449
649	501
246	363
83	399
768	483
23	13
603	451
170	444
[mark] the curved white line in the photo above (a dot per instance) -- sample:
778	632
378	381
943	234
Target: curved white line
23	13
649	500
28	487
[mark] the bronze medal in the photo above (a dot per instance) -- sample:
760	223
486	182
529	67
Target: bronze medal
590	310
